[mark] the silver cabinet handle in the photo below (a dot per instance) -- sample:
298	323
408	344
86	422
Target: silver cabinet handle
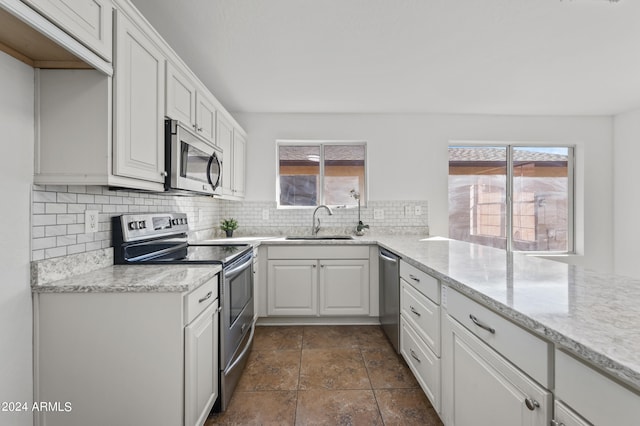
314	265
413	277
414	356
554	422
481	325
531	404
413	310
208	296
199	129
163	174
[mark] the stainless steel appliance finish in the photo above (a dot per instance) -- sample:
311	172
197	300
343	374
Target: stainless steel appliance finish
192	163
389	265
160	238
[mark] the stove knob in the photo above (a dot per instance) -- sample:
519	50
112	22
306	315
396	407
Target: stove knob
142	224
185	220
133	225
174	221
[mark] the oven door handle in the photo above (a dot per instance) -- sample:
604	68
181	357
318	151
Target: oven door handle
246	348
231	273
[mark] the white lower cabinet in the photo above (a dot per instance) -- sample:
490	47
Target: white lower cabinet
592	395
424	364
344	287
565	416
318	281
480	387
200	366
127	358
292	287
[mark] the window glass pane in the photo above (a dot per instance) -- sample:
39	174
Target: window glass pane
299	173
477	195
344	170
540	198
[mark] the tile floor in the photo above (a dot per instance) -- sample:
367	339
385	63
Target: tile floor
326	375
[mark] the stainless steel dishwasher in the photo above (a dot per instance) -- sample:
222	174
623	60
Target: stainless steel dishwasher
390	296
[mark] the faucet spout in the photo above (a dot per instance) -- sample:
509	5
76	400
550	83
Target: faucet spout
315	226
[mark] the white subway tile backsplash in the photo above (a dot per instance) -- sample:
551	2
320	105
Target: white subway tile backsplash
55	252
55	208
66	219
44	197
55	230
43	219
86	198
66	197
43	243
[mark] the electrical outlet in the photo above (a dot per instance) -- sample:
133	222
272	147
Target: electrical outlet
265	214
378	214
418	210
90	221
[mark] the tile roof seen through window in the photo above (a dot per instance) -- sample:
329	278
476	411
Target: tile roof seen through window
499	154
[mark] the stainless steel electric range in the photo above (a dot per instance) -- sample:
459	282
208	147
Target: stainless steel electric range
161	238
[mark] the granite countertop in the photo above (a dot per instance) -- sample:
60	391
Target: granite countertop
593	315
133	278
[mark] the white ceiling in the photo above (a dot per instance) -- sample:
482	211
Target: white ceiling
546	57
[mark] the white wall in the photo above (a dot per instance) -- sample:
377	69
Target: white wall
16	173
408	160
625	193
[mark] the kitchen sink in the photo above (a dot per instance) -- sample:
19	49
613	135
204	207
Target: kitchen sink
320	237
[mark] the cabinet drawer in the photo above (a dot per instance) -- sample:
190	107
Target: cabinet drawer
596	397
424	364
528	352
318	252
198	300
422	281
422	314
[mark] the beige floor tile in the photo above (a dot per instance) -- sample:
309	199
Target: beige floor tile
278	338
337	407
328	336
333	369
406	407
271	370
371	336
387	369
258	408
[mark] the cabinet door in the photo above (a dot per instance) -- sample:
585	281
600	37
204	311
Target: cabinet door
239	158
205	117
201	366
89	21
564	416
224	139
181	98
292	287
344	287
480	387
139	104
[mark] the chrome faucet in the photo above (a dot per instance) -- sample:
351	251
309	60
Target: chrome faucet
315	228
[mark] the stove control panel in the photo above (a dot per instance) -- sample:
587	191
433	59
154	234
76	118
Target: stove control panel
152	225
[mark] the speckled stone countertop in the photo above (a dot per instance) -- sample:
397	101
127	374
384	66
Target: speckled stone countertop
134	278
591	314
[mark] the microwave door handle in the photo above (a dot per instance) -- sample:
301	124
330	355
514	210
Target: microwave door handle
217	182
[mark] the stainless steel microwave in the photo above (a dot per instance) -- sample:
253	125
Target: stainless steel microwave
192	163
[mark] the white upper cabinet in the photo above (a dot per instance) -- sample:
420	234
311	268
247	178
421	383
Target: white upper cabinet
239	159
139	104
88	21
224	140
190	105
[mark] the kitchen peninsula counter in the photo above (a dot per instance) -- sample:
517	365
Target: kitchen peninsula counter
593	315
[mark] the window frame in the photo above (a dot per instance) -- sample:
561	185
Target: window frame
571	189
321	143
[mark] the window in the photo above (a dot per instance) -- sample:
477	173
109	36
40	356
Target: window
512	197
311	173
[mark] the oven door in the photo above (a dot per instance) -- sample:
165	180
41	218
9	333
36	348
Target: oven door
237	324
193	164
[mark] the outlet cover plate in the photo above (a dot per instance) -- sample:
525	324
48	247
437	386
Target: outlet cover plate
91	221
378	214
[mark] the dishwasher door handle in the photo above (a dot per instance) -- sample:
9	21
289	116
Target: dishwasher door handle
387	258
